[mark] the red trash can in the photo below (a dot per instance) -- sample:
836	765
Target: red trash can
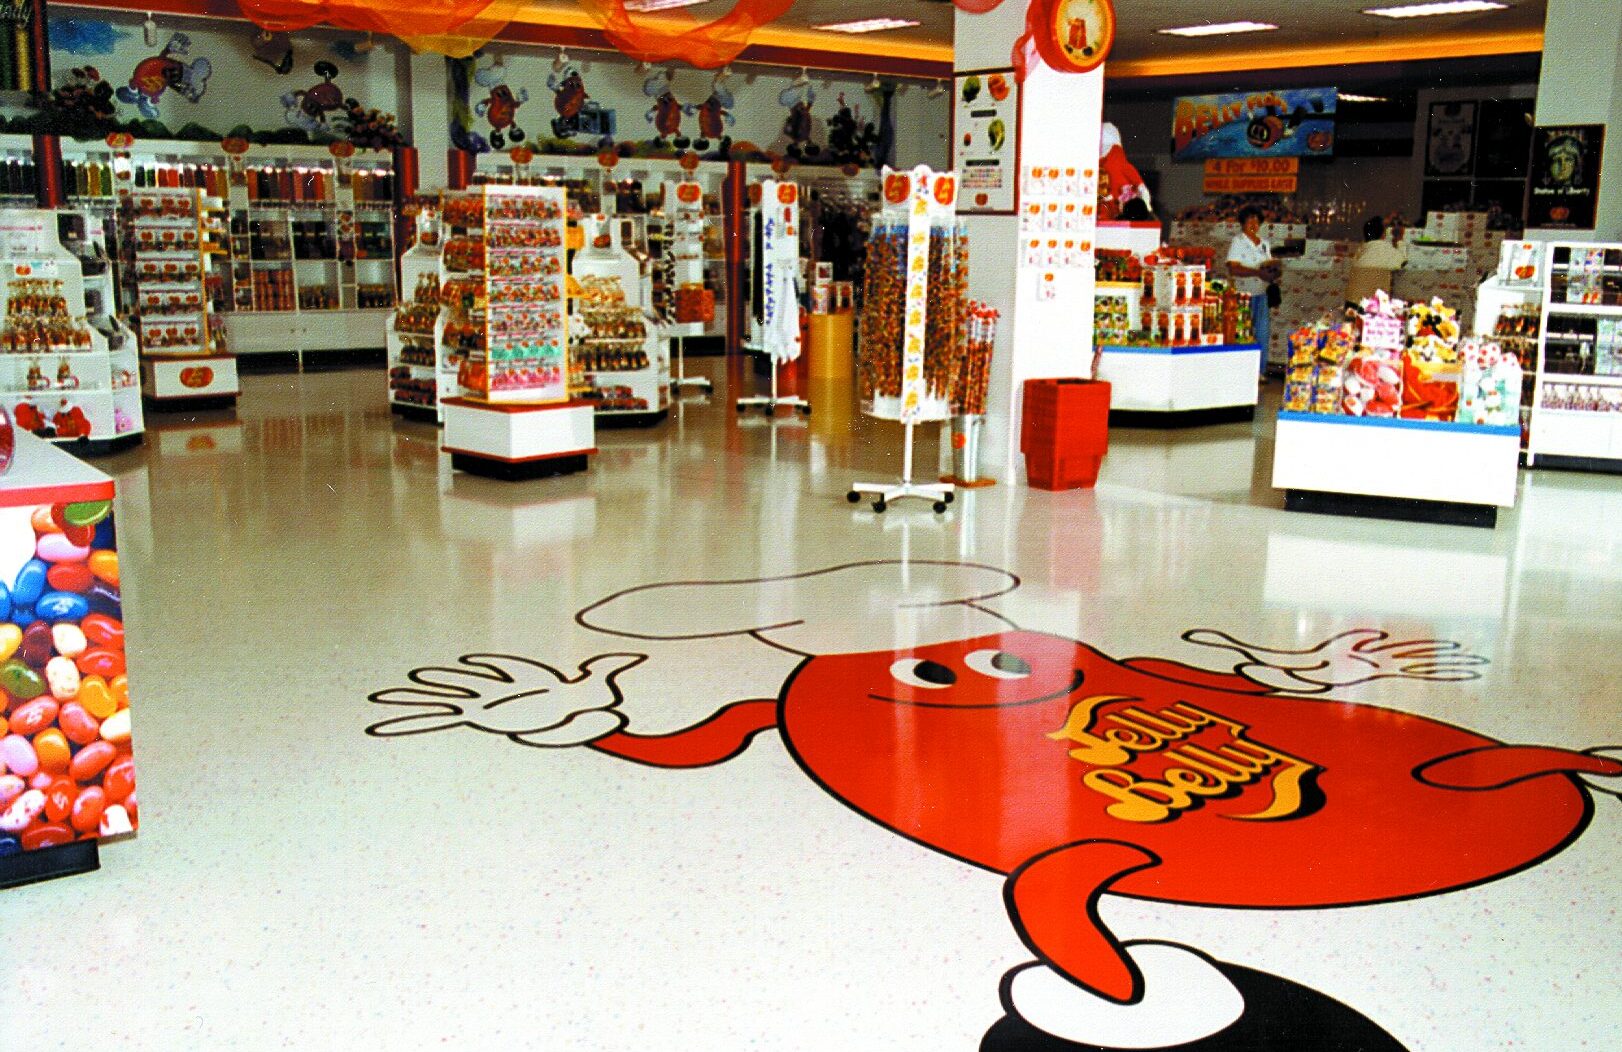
1064	432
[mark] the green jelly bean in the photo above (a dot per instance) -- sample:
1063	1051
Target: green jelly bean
20	681
86	512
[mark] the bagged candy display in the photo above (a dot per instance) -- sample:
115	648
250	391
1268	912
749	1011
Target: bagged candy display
1430	369
1372	385
1491	391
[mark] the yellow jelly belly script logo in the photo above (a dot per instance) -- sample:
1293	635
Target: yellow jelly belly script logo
1154	764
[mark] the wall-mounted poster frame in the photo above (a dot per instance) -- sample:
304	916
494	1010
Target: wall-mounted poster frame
986	140
1450	140
1503	138
1563	191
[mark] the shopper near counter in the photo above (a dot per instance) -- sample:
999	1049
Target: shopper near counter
1253	269
1376	265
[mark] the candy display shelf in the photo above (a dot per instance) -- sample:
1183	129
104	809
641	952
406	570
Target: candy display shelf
1577	396
171	235
619	358
69	368
684	301
70	713
1391	468
422	373
349	297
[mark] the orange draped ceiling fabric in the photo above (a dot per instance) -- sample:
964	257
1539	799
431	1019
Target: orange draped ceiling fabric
460	27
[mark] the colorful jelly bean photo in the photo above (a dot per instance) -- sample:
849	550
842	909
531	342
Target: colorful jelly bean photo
66	768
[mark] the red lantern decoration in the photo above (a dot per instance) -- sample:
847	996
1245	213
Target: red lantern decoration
341	149
120	140
235	145
689	161
608	158
521	154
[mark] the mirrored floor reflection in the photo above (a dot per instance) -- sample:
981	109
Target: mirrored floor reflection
300	883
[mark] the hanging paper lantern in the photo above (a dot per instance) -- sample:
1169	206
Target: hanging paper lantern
235	145
608	158
689	161
341	149
521	155
120	140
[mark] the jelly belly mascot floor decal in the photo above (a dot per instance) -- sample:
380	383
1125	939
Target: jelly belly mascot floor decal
1075	775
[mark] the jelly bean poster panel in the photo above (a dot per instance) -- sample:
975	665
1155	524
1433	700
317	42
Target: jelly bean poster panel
1295	122
66	770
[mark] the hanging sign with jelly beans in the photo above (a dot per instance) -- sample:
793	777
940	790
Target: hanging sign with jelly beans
927	198
66	769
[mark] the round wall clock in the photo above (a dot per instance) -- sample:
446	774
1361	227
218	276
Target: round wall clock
1074	36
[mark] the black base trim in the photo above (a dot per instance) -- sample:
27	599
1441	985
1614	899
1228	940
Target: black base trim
1447	513
1225	414
617	420
97	447
66	860
1559	463
425	413
314	361
519	472
199	404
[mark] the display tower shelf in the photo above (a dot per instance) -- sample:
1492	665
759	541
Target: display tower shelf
1577	398
619	358
422	374
70	367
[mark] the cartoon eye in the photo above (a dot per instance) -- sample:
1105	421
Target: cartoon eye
998	664
918	672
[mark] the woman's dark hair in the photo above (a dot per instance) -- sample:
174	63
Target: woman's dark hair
1374	229
1247	212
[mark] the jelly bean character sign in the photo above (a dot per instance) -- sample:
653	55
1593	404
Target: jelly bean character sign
310	108
714	118
167	69
500	107
66	768
798	126
667	110
1075	776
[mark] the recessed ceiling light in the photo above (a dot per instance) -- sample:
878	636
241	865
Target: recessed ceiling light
1343	97
867	25
1444	7
644	6
1218	29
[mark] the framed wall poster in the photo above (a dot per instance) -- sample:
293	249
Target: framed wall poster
1450	140
985	140
1563	191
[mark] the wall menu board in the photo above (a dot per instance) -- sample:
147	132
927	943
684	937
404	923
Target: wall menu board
1564	190
1292	122
985	146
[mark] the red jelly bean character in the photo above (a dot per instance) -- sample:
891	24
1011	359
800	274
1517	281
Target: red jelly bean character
1075	775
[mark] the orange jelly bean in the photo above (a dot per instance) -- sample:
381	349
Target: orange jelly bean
104	631
104	564
121	690
96	698
52	834
92	760
87	809
51	746
119	781
44	522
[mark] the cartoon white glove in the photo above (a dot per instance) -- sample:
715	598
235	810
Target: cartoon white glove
529	702
1358	656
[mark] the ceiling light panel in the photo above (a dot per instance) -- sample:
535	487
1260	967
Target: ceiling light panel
1218	29
1443	7
645	6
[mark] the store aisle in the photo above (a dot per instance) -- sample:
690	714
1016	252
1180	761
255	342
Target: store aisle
301	883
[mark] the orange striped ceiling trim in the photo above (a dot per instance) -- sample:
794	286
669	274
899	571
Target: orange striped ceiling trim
1427	48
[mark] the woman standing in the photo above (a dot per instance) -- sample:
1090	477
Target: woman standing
1253	268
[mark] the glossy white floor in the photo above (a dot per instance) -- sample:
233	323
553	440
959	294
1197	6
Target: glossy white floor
299	883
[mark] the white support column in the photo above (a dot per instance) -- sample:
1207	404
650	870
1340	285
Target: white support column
428	86
1581	83
1037	337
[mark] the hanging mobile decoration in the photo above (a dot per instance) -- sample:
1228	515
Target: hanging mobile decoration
666	114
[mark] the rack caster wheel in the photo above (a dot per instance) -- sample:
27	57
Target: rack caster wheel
768	412
853	497
879	506
805	410
948	497
940	507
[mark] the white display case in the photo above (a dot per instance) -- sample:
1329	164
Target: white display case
1181	386
421	373
1577	398
70	369
170	235
1417	470
626	378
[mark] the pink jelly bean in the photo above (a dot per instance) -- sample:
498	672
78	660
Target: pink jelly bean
57	548
17	754
80	727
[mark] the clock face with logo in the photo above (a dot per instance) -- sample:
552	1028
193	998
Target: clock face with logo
1075	36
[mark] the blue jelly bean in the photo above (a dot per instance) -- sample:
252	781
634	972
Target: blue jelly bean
104	599
30	583
5	603
105	534
61	606
10	845
22	615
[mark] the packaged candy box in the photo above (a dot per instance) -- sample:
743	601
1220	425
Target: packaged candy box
1372	383
1491	389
